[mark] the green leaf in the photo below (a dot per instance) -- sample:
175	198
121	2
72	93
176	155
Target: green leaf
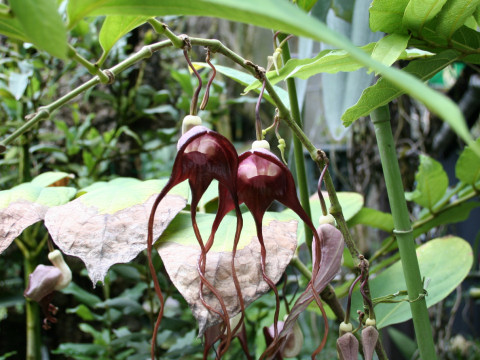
108	223
11	27
374	218
384	91
284	16
50	177
467	168
306	5
328	61
444	261
81	295
389	48
432	182
245	79
42	24
350	202
404	344
419	12
451	216
115	27
387	15
453	16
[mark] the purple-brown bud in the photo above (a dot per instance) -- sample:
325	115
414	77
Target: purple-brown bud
347	347
369	341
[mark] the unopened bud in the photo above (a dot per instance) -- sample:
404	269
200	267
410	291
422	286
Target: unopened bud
369	341
347	347
261	144
56	258
189	122
327	219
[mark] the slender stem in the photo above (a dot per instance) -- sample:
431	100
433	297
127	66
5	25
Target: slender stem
93	69
44	112
403	231
301	172
32	315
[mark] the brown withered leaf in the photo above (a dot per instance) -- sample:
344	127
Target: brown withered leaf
180	251
108	224
25	205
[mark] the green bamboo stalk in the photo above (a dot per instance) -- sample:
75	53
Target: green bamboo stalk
403	231
301	173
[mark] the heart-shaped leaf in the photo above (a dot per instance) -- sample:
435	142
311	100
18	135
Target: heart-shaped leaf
108	224
444	261
280	242
27	203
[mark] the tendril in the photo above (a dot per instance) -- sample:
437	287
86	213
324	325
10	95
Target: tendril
193	104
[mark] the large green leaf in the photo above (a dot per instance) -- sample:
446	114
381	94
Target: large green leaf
11	27
445	262
453	16
333	61
387	15
42	24
419	12
467	168
374	218
284	16
279	232
432	182
26	204
108	223
384	91
115	27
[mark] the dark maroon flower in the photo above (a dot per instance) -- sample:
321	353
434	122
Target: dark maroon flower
203	156
261	179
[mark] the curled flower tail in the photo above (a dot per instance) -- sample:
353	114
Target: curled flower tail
203	155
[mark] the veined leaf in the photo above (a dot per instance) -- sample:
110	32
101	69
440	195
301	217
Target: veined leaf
115	27
467	168
27	203
280	242
387	15
453	16
284	16
11	27
390	48
432	182
329	61
42	24
108	223
445	262
384	91
419	12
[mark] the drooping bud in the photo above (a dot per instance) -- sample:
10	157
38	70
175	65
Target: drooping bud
369	341
44	281
347	347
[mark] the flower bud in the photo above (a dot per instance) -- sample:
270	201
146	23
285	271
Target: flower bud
56	258
369	341
189	122
347	347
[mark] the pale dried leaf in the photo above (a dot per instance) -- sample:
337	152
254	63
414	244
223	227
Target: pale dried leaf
102	239
16	217
280	242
